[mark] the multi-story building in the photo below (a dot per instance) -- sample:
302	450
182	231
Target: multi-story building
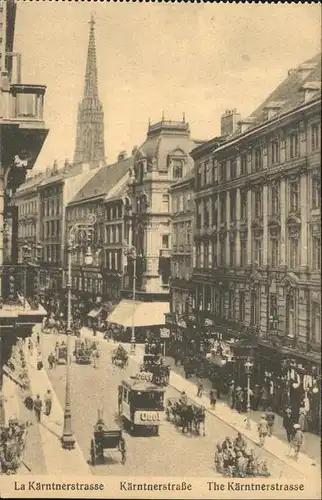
258	238
90	282
162	159
22	134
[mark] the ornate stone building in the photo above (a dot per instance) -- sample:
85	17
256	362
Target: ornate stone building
258	236
90	121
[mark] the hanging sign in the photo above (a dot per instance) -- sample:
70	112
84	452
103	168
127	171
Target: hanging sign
164	333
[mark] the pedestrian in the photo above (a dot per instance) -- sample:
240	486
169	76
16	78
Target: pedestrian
200	389
231	394
213	398
288	424
239	399
262	430
50	361
270	417
297	440
54	360
38	339
48	402
38	407
303	419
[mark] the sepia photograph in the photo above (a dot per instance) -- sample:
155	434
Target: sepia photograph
160	250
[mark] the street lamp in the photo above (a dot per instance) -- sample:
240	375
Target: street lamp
248	370
130	251
67	439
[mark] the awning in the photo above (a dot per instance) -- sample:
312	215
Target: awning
129	312
95	312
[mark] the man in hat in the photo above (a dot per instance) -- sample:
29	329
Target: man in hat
48	402
288	424
38	407
262	430
270	417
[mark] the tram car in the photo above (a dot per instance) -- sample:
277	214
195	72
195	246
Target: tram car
141	404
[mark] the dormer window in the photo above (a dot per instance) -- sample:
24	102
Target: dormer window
177	169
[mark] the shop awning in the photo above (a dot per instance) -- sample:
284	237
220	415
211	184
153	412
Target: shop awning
129	312
95	312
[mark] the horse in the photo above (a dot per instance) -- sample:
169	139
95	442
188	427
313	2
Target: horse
199	419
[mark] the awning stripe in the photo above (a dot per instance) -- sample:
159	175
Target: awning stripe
143	313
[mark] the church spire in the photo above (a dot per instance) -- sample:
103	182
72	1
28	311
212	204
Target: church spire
90	120
90	88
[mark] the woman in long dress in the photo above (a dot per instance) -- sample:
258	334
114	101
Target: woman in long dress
303	419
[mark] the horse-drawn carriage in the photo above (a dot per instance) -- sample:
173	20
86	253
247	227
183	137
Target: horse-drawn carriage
186	414
154	364
120	357
141	404
104	439
83	352
61	353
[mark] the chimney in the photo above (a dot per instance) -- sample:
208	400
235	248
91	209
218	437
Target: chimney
229	122
121	156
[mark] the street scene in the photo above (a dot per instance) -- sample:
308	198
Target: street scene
160	295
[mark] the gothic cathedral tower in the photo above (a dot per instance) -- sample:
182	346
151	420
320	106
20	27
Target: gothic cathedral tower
90	120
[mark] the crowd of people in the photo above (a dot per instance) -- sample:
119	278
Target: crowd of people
234	458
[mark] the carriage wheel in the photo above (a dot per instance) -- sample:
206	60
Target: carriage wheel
93	452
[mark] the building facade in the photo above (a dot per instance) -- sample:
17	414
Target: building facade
258	237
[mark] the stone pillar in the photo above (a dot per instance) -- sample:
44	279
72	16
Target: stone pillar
237	248
265	224
304	222
227	225
249	227
283	204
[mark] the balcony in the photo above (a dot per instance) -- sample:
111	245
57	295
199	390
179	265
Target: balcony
165	253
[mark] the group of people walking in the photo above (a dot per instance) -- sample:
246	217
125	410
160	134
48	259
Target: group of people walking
38	405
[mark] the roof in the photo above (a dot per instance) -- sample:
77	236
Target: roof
103	181
29	185
141	385
288	94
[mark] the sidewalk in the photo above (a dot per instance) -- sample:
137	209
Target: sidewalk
273	445
58	461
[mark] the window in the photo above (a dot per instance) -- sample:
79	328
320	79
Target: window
231	304
233	205
316	191
177	169
275	199
198	212
258	160
293	252
290	314
274	252
207	172
258	249
222	251
188	201
198	255
165	203
199	173
243	252
258	202
165	241
316	253
206	213
222	172
26	105
294	196
232	254
233	169
214	252
241	306
214	172
294	145
174	204
243	206
254	308
243	164
180	200
273	313
316	322
275	152
315	136
214	211
206	255
222	208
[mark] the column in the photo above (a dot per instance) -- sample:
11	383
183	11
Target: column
265	225
237	250
219	263
304	220
283	203
249	226
227	226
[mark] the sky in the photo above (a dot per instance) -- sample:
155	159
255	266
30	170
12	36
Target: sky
200	59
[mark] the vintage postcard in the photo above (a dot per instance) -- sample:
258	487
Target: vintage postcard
160	250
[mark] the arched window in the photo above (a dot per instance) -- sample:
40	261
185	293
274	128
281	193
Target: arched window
290	322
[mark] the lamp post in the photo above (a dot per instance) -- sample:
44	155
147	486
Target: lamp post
130	251
67	438
248	370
